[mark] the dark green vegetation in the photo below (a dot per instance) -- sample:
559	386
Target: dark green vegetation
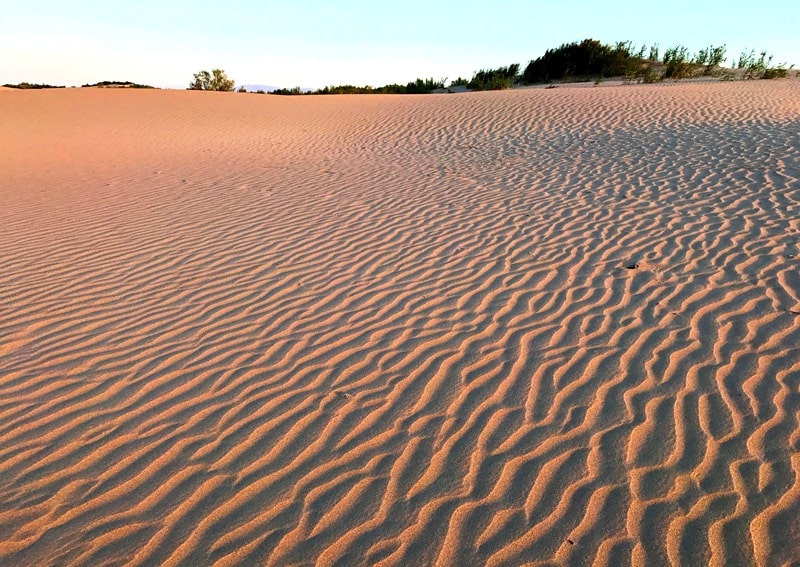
587	59
420	86
495	79
119	84
485	79
33	86
592	60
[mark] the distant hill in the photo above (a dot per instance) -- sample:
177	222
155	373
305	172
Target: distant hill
33	86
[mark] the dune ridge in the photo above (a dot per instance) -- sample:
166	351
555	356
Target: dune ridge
524	327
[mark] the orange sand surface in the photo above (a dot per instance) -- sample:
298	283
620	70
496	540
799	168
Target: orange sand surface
527	327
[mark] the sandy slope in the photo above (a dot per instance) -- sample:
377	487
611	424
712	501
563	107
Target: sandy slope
541	326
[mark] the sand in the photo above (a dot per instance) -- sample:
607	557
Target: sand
546	327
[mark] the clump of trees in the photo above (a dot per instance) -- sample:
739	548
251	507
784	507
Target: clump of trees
578	61
584	60
292	91
485	79
494	79
121	84
590	59
25	86
216	80
418	86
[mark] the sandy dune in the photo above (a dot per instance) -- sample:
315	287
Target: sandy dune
530	327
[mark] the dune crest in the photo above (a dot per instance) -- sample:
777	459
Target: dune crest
525	327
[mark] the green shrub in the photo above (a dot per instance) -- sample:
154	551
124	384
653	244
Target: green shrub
217	80
649	76
678	65
760	67
710	57
774	73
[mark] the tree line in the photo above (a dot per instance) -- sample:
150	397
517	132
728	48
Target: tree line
577	61
586	60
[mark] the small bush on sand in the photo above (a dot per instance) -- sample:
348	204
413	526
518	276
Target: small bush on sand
649	76
678	66
779	72
710	58
759	67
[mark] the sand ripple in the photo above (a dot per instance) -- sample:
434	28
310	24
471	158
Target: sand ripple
539	326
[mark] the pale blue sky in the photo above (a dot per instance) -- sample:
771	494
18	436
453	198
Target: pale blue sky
312	43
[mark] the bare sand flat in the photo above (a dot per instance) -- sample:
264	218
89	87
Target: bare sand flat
535	327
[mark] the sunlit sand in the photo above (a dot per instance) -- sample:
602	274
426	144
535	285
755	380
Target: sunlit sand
538	326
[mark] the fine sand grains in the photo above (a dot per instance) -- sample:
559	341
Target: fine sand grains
528	327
